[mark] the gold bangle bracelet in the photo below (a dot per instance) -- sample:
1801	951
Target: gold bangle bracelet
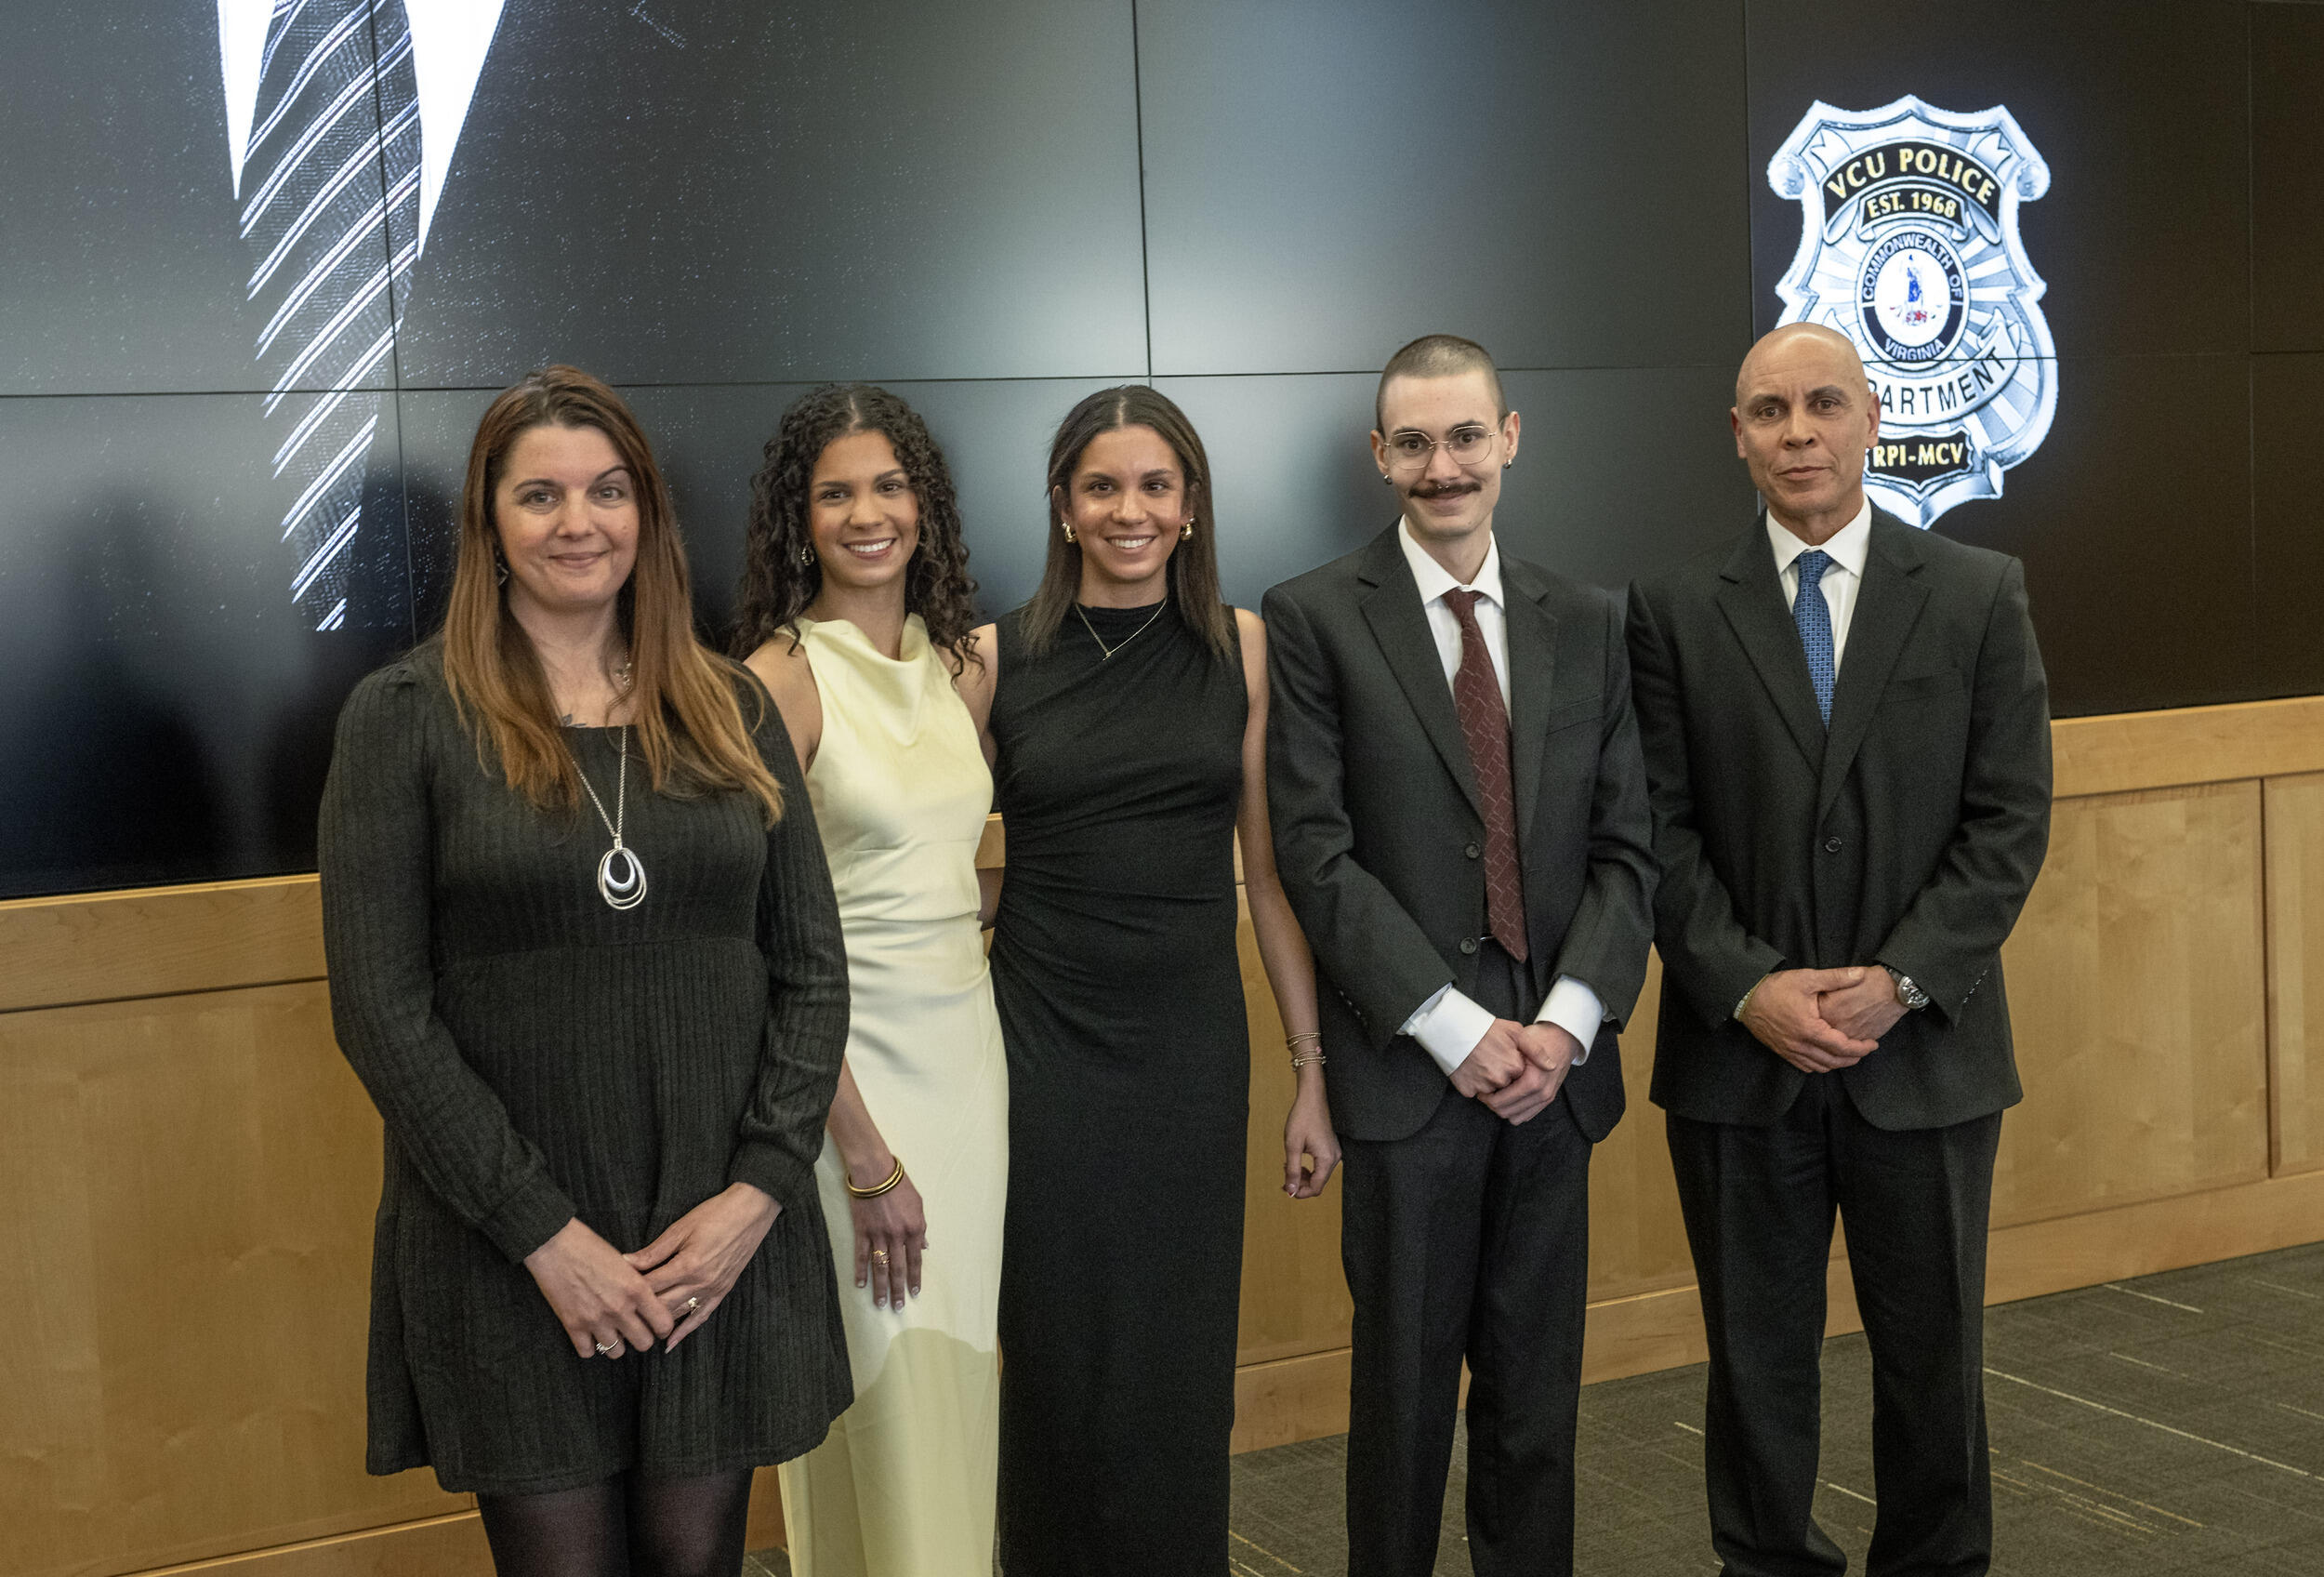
1315	1057
894	1178
1292	1042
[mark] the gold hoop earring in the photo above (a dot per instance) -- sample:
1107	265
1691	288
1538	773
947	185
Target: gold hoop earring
1186	532
1068	526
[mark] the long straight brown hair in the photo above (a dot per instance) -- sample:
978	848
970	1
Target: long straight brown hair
688	720
1194	569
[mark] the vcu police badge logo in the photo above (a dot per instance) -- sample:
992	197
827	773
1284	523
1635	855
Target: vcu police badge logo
1909	247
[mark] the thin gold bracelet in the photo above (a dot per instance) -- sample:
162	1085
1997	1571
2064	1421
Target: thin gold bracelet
894	1178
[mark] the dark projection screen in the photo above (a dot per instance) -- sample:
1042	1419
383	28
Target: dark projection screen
237	384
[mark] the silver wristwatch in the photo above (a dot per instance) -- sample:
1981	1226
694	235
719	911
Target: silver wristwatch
1907	993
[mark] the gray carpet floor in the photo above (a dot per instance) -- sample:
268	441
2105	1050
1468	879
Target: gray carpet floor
2174	1423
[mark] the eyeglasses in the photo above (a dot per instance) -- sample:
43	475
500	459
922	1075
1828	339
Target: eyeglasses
1409	451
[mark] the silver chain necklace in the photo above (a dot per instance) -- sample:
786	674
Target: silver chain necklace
1105	651
620	878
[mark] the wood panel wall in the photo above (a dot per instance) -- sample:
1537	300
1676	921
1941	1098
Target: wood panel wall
191	1166
2295	971
191	1169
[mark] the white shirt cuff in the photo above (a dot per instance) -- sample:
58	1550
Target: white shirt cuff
1448	1026
1573	1008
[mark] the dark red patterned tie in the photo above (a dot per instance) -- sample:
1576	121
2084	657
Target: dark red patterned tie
1485	723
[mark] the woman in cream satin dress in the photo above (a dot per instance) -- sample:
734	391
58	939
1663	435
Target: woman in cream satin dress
855	606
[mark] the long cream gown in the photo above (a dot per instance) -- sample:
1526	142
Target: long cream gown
903	1487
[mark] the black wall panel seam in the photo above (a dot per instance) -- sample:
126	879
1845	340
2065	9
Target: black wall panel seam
1138	111
1751	175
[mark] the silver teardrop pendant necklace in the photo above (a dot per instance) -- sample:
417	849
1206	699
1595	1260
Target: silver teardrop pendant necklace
620	878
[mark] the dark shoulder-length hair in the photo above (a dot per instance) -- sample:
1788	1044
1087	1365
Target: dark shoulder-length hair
781	573
1194	569
688	716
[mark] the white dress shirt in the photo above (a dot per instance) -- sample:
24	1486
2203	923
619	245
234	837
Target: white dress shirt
1843	577
1452	1023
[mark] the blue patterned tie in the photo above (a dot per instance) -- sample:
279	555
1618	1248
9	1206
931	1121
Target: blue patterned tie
332	219
1812	615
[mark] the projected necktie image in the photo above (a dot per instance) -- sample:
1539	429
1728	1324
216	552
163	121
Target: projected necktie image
343	114
336	146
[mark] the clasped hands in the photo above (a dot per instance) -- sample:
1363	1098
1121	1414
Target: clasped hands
609	1300
1822	1020
1517	1069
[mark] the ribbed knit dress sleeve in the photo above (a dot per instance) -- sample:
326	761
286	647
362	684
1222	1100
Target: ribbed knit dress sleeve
378	858
781	1132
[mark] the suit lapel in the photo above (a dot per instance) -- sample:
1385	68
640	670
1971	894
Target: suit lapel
1752	598
1532	677
1887	605
1399	624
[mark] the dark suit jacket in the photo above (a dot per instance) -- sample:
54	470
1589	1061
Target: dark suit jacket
1377	830
1908	835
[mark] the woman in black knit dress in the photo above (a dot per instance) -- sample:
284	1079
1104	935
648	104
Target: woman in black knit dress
584	956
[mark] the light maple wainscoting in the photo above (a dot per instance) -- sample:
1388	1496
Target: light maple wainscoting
191	1167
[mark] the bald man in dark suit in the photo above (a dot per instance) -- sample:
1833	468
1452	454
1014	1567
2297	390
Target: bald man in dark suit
1846	733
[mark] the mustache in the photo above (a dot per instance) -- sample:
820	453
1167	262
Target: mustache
1443	489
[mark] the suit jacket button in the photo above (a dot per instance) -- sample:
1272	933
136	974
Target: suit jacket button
1832	846
1468	943
1473	850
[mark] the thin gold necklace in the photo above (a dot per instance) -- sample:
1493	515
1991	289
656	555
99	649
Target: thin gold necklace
1107	652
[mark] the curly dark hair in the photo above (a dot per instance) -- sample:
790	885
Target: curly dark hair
777	584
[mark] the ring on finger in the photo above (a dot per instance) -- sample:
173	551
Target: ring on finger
608	1349
880	1254
689	1305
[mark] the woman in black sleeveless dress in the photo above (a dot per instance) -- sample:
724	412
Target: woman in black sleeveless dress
1126	710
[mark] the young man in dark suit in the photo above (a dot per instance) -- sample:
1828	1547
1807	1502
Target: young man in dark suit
1460	822
1847	731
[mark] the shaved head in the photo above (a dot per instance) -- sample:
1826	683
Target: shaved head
1437	355
1770	344
1804	415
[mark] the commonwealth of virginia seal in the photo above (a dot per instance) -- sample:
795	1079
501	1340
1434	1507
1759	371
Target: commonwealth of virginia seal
1909	247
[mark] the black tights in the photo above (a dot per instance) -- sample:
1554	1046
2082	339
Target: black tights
626	1526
